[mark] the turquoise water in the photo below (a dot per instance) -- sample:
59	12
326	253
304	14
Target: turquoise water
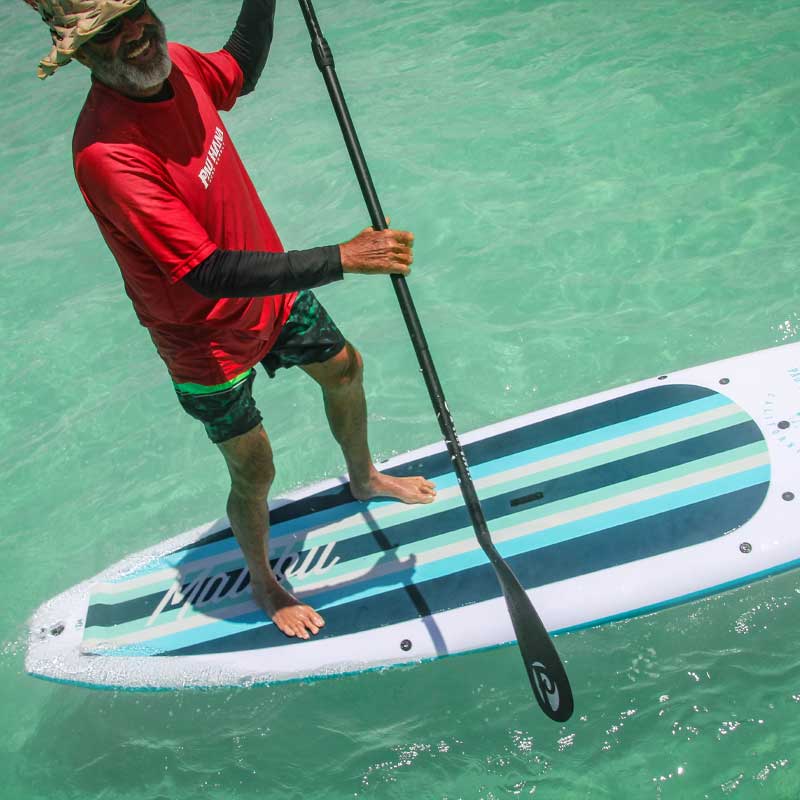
601	192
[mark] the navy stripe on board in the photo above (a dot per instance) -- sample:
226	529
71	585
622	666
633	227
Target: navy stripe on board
631	541
574	423
494	508
551	491
554	489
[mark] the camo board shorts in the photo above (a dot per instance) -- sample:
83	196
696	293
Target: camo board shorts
228	409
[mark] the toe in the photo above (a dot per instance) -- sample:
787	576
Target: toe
317	619
309	619
310	626
299	630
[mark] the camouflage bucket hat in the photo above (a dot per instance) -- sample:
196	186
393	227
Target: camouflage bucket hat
73	23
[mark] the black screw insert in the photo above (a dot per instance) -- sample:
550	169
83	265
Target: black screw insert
405	645
725	381
788	496
746	547
783	424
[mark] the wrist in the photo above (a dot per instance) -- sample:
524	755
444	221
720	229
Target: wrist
344	258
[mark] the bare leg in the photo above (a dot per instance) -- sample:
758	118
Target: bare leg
346	407
249	460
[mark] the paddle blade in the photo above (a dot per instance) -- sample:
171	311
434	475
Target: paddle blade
545	671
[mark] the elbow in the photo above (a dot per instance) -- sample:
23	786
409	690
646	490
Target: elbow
252	74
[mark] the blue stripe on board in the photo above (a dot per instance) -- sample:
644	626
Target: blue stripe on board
752	577
602	435
537	434
557	535
635	540
217	543
554	490
411	579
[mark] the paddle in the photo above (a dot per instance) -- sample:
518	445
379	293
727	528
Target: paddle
545	670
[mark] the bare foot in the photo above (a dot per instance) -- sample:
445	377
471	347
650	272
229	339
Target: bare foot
286	611
407	490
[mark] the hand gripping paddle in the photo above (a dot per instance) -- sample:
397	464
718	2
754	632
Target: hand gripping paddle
545	670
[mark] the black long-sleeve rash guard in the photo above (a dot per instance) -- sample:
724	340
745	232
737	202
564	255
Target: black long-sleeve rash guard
251	39
244	273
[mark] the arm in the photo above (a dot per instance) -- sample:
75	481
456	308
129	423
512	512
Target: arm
244	273
137	199
251	39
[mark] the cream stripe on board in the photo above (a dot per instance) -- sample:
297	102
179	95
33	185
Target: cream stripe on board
198	618
495	481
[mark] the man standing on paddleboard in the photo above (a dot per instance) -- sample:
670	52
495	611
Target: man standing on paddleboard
200	259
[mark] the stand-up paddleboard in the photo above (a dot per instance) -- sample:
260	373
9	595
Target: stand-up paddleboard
606	507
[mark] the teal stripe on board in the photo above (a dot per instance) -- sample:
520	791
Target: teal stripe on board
441	539
455	564
255	620
492	468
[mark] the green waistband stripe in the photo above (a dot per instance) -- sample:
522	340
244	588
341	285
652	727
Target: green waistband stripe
198	388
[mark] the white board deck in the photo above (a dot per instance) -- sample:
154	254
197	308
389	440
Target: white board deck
606	507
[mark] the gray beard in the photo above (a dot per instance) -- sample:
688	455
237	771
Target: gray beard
130	78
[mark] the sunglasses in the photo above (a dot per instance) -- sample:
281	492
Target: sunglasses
112	29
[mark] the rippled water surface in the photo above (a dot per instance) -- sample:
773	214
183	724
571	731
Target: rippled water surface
601	191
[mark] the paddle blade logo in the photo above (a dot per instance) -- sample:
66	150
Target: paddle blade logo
545	688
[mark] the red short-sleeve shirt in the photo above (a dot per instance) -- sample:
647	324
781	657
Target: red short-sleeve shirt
167	188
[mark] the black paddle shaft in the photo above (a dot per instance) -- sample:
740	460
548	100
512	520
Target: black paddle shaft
545	670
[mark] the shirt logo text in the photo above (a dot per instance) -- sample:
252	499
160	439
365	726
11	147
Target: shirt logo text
206	174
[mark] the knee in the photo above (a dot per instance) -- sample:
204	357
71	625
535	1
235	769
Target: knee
253	478
350	368
250	465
